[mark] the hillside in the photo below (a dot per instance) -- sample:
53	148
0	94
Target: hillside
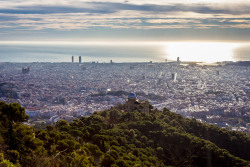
117	138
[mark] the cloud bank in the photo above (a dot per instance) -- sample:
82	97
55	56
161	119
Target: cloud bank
70	15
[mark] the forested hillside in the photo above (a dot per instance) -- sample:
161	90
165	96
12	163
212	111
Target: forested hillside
117	138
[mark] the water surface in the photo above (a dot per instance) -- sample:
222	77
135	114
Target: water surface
125	52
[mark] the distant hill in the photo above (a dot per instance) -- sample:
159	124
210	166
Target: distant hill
117	138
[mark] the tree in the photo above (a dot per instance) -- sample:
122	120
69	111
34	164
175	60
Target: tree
107	160
4	162
114	116
10	114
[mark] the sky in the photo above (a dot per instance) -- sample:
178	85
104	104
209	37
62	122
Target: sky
125	20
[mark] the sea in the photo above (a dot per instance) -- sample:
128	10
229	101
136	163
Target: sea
119	52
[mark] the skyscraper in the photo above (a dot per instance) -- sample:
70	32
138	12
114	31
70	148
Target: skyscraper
178	59
174	75
80	59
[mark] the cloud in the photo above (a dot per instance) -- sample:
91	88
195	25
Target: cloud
117	14
246	21
171	21
73	21
112	7
240	26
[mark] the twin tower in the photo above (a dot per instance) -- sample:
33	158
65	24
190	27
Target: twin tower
80	59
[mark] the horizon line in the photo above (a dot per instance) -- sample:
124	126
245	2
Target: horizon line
114	42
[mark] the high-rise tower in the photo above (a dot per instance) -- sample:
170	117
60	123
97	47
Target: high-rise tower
80	59
178	59
174	75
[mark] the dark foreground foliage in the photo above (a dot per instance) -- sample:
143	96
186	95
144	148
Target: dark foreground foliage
119	139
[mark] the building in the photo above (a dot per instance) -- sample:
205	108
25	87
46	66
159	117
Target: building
133	104
25	70
80	59
54	119
178	59
174	75
33	112
248	126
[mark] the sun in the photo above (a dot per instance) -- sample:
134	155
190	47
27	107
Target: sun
208	52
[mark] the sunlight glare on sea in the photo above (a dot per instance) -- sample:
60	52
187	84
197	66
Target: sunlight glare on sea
207	52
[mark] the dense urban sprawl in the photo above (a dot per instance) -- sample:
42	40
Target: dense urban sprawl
52	91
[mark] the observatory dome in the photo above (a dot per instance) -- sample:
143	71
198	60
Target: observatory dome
132	96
